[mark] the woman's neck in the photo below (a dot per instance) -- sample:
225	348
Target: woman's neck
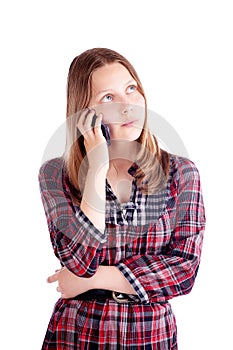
119	167
122	154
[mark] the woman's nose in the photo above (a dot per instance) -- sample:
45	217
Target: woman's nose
127	109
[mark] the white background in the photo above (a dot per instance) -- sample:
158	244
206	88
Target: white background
183	53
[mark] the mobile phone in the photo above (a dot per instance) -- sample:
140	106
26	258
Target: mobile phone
106	133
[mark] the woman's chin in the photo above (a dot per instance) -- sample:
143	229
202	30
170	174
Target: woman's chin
129	136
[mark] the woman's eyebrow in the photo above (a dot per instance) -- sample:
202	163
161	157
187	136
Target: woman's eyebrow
130	81
103	91
110	90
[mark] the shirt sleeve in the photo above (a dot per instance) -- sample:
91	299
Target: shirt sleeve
77	243
161	277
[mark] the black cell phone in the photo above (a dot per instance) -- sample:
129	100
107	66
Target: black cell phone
106	133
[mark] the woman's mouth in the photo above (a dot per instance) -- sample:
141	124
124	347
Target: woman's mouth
129	123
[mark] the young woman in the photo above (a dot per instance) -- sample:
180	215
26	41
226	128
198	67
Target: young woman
126	219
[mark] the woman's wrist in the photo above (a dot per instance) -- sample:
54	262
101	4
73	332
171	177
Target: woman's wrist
110	278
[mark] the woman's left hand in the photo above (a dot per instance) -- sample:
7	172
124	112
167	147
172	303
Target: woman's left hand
69	285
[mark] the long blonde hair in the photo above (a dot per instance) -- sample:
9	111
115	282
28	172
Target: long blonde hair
152	162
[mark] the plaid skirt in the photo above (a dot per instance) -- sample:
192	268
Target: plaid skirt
109	325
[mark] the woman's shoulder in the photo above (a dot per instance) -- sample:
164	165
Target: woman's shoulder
52	167
183	167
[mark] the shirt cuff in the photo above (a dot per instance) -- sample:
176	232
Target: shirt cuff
134	282
87	225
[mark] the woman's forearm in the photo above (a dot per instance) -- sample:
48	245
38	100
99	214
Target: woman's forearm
106	277
110	277
93	199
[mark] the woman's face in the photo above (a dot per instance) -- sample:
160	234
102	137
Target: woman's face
115	95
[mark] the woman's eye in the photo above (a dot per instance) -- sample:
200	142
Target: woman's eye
131	88
107	98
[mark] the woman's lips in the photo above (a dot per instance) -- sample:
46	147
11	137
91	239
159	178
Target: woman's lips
129	123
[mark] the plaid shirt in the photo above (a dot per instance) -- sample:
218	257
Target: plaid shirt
154	240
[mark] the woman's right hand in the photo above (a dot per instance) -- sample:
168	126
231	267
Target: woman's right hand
89	124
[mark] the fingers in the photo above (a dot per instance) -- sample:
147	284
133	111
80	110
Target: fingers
85	121
97	126
89	122
53	278
59	290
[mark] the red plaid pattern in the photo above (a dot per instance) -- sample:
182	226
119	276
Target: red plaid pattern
154	240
